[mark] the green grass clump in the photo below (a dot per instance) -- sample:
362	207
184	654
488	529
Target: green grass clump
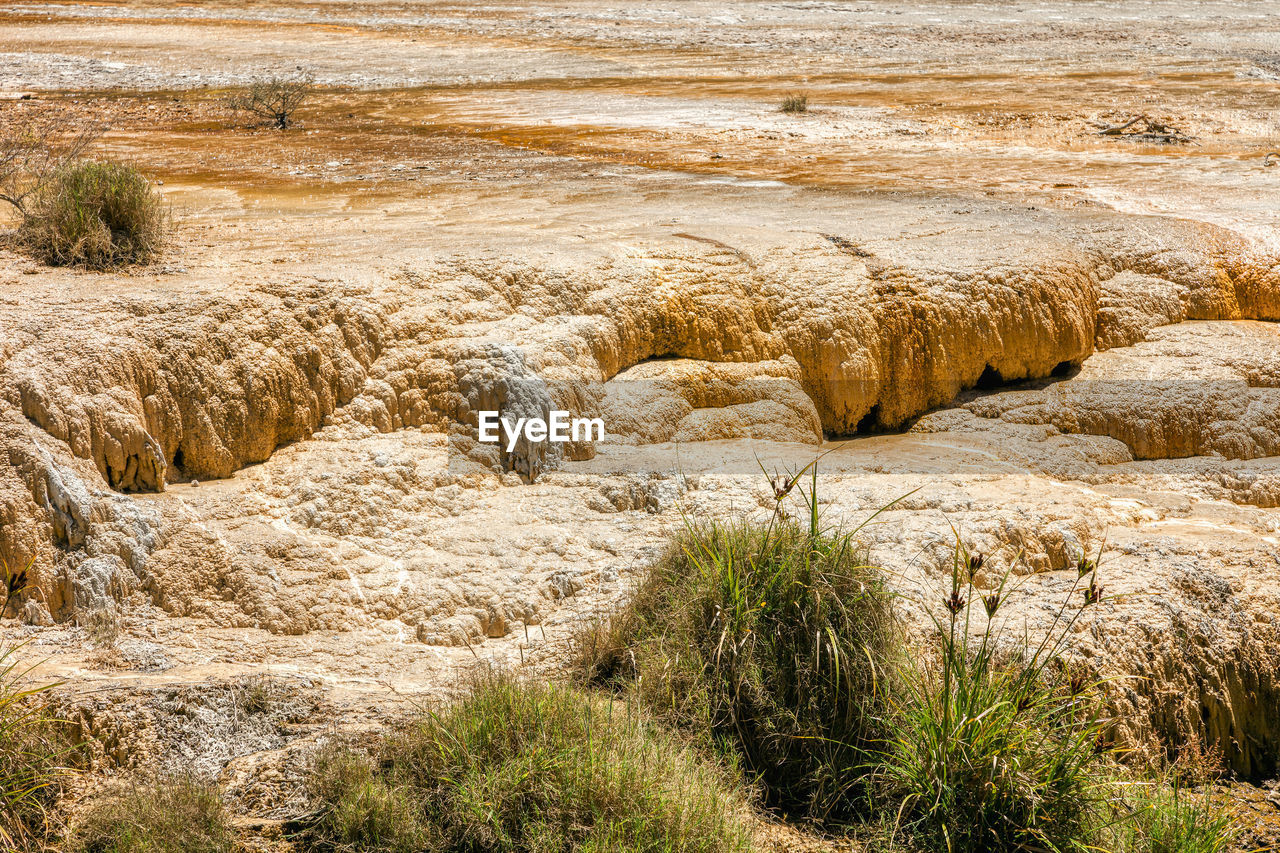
30	758
773	640
999	743
1168	816
777	643
526	767
993	748
795	103
170	814
364	808
97	215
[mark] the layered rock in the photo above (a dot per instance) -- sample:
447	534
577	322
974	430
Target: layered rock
779	333
389	518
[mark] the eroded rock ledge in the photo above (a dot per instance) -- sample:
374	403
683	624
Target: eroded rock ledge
749	333
800	334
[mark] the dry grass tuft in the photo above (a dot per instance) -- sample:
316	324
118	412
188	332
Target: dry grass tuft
169	814
795	103
31	749
524	766
96	215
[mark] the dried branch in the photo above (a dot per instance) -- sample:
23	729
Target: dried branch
275	99
34	149
1145	129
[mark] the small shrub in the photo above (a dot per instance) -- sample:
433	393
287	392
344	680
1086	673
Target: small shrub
97	215
520	766
990	748
30	753
276	99
772	639
170	814
795	104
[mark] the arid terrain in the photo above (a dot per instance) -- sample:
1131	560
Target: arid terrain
255	460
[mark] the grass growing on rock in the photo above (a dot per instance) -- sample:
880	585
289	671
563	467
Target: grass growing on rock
993	747
524	766
169	814
96	215
1169	818
31	753
774	640
1001	745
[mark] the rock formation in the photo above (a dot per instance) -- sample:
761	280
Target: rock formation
571	216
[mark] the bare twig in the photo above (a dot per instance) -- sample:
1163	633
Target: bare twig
1117	129
1271	158
1145	129
35	149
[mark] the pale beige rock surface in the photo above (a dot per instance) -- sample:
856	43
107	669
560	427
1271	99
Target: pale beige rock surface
261	452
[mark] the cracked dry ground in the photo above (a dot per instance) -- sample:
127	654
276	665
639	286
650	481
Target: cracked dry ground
260	452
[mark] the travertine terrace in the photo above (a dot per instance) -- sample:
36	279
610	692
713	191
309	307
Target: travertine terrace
260	451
